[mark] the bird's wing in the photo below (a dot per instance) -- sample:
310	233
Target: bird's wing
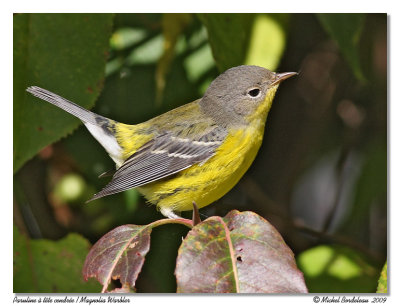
163	156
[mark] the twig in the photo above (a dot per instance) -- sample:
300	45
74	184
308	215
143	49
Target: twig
196	216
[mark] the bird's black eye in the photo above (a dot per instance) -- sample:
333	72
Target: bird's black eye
255	92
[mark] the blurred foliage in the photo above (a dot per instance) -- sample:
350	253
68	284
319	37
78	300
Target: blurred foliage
336	269
266	50
320	177
51	266
382	283
228	36
251	39
173	26
346	30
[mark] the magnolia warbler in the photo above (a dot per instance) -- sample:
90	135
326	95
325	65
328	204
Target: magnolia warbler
194	153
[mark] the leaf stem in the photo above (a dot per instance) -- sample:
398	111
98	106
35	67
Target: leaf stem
183	221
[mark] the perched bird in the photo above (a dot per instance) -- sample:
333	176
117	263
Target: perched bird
194	153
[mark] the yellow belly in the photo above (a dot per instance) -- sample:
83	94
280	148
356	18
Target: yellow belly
206	183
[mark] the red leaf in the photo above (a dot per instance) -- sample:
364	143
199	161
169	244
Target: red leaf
239	253
118	255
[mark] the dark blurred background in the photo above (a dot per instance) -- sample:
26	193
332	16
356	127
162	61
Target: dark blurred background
320	177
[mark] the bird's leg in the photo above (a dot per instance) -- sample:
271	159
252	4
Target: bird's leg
167	212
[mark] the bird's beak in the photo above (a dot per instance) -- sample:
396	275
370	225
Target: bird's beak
283	76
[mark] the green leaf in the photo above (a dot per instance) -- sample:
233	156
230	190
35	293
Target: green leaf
65	53
267	43
45	266
336	269
241	252
346	30
228	36
382	282
250	39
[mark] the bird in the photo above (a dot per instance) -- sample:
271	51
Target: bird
194	153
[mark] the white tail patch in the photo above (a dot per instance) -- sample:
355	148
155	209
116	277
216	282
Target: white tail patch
108	141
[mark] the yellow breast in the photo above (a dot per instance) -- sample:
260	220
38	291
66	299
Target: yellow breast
207	182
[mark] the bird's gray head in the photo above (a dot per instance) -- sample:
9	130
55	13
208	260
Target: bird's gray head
237	93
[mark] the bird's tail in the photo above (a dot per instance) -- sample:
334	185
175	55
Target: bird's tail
102	128
70	107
